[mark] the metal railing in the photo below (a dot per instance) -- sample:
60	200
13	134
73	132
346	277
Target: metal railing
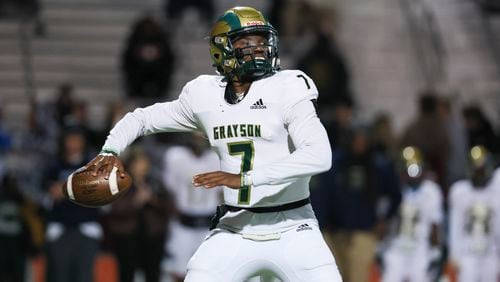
426	41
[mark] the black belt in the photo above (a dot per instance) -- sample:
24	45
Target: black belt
284	207
223	209
194	221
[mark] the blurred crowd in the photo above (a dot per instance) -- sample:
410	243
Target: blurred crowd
361	203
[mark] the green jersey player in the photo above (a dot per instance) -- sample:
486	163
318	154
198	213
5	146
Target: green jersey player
261	122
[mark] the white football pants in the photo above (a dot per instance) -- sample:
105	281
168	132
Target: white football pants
300	254
405	267
478	268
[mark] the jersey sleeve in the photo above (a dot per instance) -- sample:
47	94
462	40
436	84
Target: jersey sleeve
312	153
171	116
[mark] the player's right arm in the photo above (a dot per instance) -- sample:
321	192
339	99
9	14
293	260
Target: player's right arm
160	117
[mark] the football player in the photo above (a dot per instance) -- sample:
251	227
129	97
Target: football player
194	207
409	254
474	221
266	226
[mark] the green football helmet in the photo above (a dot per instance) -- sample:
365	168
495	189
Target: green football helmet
228	61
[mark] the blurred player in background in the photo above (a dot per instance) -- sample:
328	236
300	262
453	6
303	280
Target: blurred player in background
415	243
194	207
263	125
474	221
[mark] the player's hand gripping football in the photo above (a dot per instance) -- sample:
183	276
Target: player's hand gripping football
103	164
217	178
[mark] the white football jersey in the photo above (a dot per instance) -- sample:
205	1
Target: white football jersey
474	219
419	210
252	135
179	166
496	180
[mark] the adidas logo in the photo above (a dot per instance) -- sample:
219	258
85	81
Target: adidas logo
303	227
258	105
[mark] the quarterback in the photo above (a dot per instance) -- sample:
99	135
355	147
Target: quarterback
262	123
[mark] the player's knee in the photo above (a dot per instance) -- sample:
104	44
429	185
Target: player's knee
199	276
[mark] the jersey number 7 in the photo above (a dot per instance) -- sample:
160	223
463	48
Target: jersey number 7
246	150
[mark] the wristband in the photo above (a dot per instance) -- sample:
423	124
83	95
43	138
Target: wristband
246	179
107	152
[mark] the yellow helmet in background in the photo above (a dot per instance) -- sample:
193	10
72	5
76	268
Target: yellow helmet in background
413	161
481	166
236	22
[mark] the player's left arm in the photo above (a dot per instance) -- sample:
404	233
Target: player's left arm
312	153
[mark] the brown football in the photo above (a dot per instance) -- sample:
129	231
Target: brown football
94	191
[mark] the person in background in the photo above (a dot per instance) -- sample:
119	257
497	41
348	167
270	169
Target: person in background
64	103
14	240
5	136
415	243
73	232
136	223
479	130
175	9
362	194
383	137
474	208
340	127
327	66
147	60
454	124
194	206
428	123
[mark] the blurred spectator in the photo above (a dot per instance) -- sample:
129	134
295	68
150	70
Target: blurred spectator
147	60
479	129
117	110
24	10
175	9
415	242
195	207
327	67
429	133
454	124
73	232
340	128
5	137
296	18
43	131
383	138
64	102
137	222
362	193
475	221
13	231
78	118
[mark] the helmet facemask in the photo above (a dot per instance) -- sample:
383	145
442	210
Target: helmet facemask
256	59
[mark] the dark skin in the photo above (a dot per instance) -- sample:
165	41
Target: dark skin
102	165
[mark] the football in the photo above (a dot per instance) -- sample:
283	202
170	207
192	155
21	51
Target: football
95	191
